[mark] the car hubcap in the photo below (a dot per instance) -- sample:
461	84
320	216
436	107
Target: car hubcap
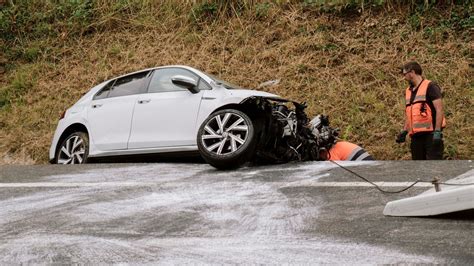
225	134
72	151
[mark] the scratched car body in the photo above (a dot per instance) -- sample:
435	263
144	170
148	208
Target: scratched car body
174	109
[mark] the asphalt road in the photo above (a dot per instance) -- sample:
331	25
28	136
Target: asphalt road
174	213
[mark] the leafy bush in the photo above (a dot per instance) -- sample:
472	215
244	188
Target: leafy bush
37	19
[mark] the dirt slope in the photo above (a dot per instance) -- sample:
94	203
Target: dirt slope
341	62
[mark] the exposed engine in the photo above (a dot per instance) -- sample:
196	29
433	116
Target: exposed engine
285	132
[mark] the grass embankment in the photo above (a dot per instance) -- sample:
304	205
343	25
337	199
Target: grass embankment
340	58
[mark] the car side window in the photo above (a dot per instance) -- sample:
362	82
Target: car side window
129	85
161	79
102	94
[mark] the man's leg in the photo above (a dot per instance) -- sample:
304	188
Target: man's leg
434	151
417	147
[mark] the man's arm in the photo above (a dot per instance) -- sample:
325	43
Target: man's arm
406	126
438	105
403	134
434	94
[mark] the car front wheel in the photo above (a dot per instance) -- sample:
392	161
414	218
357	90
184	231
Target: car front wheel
74	149
227	139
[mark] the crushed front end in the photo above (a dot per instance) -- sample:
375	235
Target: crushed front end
284	131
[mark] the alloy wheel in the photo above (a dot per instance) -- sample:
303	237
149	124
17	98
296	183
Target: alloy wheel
225	133
72	151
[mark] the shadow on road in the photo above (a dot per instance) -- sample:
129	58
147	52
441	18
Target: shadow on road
461	215
192	157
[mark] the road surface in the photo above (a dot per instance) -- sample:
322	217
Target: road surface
185	213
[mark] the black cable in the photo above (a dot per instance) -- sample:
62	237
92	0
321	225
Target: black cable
398	191
375	185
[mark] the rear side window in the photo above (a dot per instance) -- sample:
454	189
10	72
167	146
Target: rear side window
161	79
129	85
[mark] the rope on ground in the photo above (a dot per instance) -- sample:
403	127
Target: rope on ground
397	191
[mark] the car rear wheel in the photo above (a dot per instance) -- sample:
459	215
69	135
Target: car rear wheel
227	139
74	149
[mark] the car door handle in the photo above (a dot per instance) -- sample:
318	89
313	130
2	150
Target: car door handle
144	101
96	105
208	98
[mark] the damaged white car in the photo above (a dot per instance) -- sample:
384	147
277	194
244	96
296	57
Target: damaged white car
175	109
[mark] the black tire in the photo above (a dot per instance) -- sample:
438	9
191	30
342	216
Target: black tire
74	149
232	147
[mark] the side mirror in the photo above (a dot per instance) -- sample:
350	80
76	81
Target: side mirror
185	82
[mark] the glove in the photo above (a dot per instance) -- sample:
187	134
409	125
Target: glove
402	136
437	137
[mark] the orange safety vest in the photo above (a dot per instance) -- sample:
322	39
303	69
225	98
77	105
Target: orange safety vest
346	151
419	113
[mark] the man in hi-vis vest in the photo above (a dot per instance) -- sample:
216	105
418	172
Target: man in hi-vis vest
424	119
330	147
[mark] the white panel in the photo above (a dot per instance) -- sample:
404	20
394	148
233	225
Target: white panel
110	121
445	201
165	119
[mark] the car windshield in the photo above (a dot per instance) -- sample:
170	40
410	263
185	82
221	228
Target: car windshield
224	83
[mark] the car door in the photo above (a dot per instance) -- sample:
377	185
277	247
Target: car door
111	110
166	115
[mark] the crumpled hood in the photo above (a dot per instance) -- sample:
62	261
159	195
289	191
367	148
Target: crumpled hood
248	93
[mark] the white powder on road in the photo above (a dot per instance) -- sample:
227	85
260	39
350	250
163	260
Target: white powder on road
216	217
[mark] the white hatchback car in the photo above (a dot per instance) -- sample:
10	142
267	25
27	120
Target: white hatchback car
177	109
